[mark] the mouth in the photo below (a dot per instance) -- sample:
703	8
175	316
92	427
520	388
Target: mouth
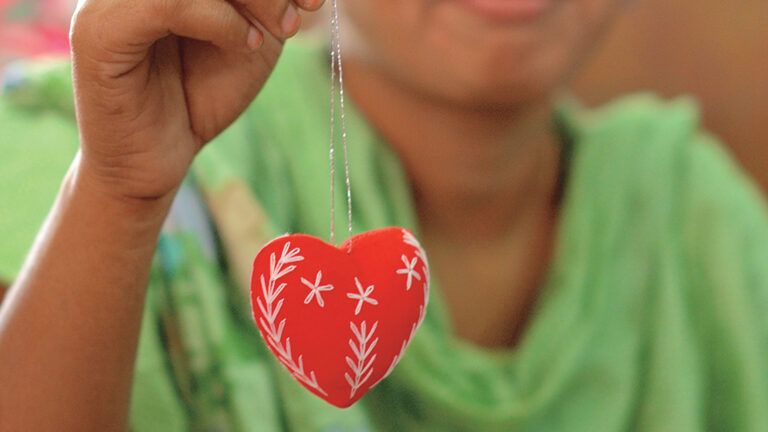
508	10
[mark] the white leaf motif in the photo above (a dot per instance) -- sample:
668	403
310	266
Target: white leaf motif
362	368
274	333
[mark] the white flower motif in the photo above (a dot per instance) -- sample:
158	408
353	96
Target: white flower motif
316	289
362	296
409	239
409	271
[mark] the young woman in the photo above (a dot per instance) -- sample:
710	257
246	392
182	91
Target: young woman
592	271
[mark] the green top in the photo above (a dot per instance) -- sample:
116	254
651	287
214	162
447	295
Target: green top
652	316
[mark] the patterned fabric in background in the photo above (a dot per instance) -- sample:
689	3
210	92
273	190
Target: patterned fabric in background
30	28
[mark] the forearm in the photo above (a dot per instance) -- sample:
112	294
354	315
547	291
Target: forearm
69	324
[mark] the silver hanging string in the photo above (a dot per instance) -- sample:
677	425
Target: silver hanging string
336	65
332	146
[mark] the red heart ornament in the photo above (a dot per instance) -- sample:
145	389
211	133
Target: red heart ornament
339	319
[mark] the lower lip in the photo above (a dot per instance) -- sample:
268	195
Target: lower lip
509	9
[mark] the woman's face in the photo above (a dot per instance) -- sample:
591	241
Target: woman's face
477	52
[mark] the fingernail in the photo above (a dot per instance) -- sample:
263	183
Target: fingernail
255	39
290	20
310	4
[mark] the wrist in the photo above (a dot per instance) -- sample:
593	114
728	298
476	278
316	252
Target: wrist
80	182
124	216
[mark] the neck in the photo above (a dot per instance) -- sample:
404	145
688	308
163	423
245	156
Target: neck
475	172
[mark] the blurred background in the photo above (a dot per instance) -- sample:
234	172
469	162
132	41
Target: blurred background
713	50
33	27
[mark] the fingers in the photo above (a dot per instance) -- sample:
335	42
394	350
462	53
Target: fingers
280	17
310	5
213	21
129	27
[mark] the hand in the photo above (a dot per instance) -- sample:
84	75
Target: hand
155	80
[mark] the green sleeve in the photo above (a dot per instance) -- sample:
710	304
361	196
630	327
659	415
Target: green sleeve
155	401
726	238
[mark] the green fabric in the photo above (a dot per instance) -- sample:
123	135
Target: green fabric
652	316
36	148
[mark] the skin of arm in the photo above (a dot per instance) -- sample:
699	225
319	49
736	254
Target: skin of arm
154	81
69	324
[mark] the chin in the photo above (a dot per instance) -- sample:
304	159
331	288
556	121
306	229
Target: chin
441	51
508	79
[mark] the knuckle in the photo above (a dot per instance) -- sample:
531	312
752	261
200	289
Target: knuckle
267	10
236	31
311	5
166	10
80	31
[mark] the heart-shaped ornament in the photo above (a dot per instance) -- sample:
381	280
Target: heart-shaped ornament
340	318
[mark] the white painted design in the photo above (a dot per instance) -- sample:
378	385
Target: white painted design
361	366
404	346
362	296
392	365
422	313
411	240
270	311
409	271
316	289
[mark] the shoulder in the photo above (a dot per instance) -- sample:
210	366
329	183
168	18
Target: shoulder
638	133
649	167
668	151
703	216
657	153
638	111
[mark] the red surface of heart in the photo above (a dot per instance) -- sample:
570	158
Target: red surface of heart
340	319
